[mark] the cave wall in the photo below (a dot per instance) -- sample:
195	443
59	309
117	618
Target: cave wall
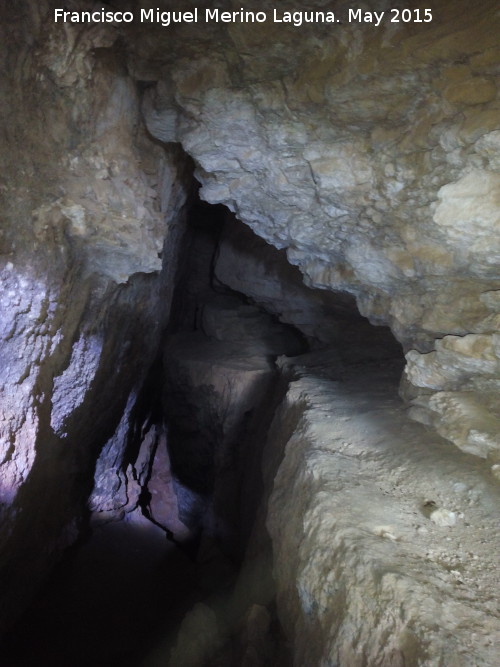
371	156
92	213
384	536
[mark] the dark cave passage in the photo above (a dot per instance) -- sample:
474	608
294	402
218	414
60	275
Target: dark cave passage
191	471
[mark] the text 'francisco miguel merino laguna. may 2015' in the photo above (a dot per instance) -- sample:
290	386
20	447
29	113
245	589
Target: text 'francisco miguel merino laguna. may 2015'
296	18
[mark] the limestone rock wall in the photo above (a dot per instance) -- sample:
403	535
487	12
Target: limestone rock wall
91	216
219	383
384	537
247	264
372	156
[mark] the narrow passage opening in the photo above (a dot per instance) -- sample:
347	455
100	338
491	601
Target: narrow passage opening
161	567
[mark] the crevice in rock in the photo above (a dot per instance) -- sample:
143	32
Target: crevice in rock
182	478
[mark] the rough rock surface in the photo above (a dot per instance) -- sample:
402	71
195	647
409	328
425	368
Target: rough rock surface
216	390
371	156
385	542
246	263
88	245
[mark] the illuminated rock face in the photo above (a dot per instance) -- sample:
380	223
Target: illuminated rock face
369	155
372	157
382	535
91	218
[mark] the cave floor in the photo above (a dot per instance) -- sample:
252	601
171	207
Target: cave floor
380	507
110	603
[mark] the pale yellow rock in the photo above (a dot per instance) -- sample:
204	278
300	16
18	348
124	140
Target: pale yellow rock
464	418
478	123
471	91
473	345
469	215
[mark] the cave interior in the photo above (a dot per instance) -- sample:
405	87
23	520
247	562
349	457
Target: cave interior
249	339
193	460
